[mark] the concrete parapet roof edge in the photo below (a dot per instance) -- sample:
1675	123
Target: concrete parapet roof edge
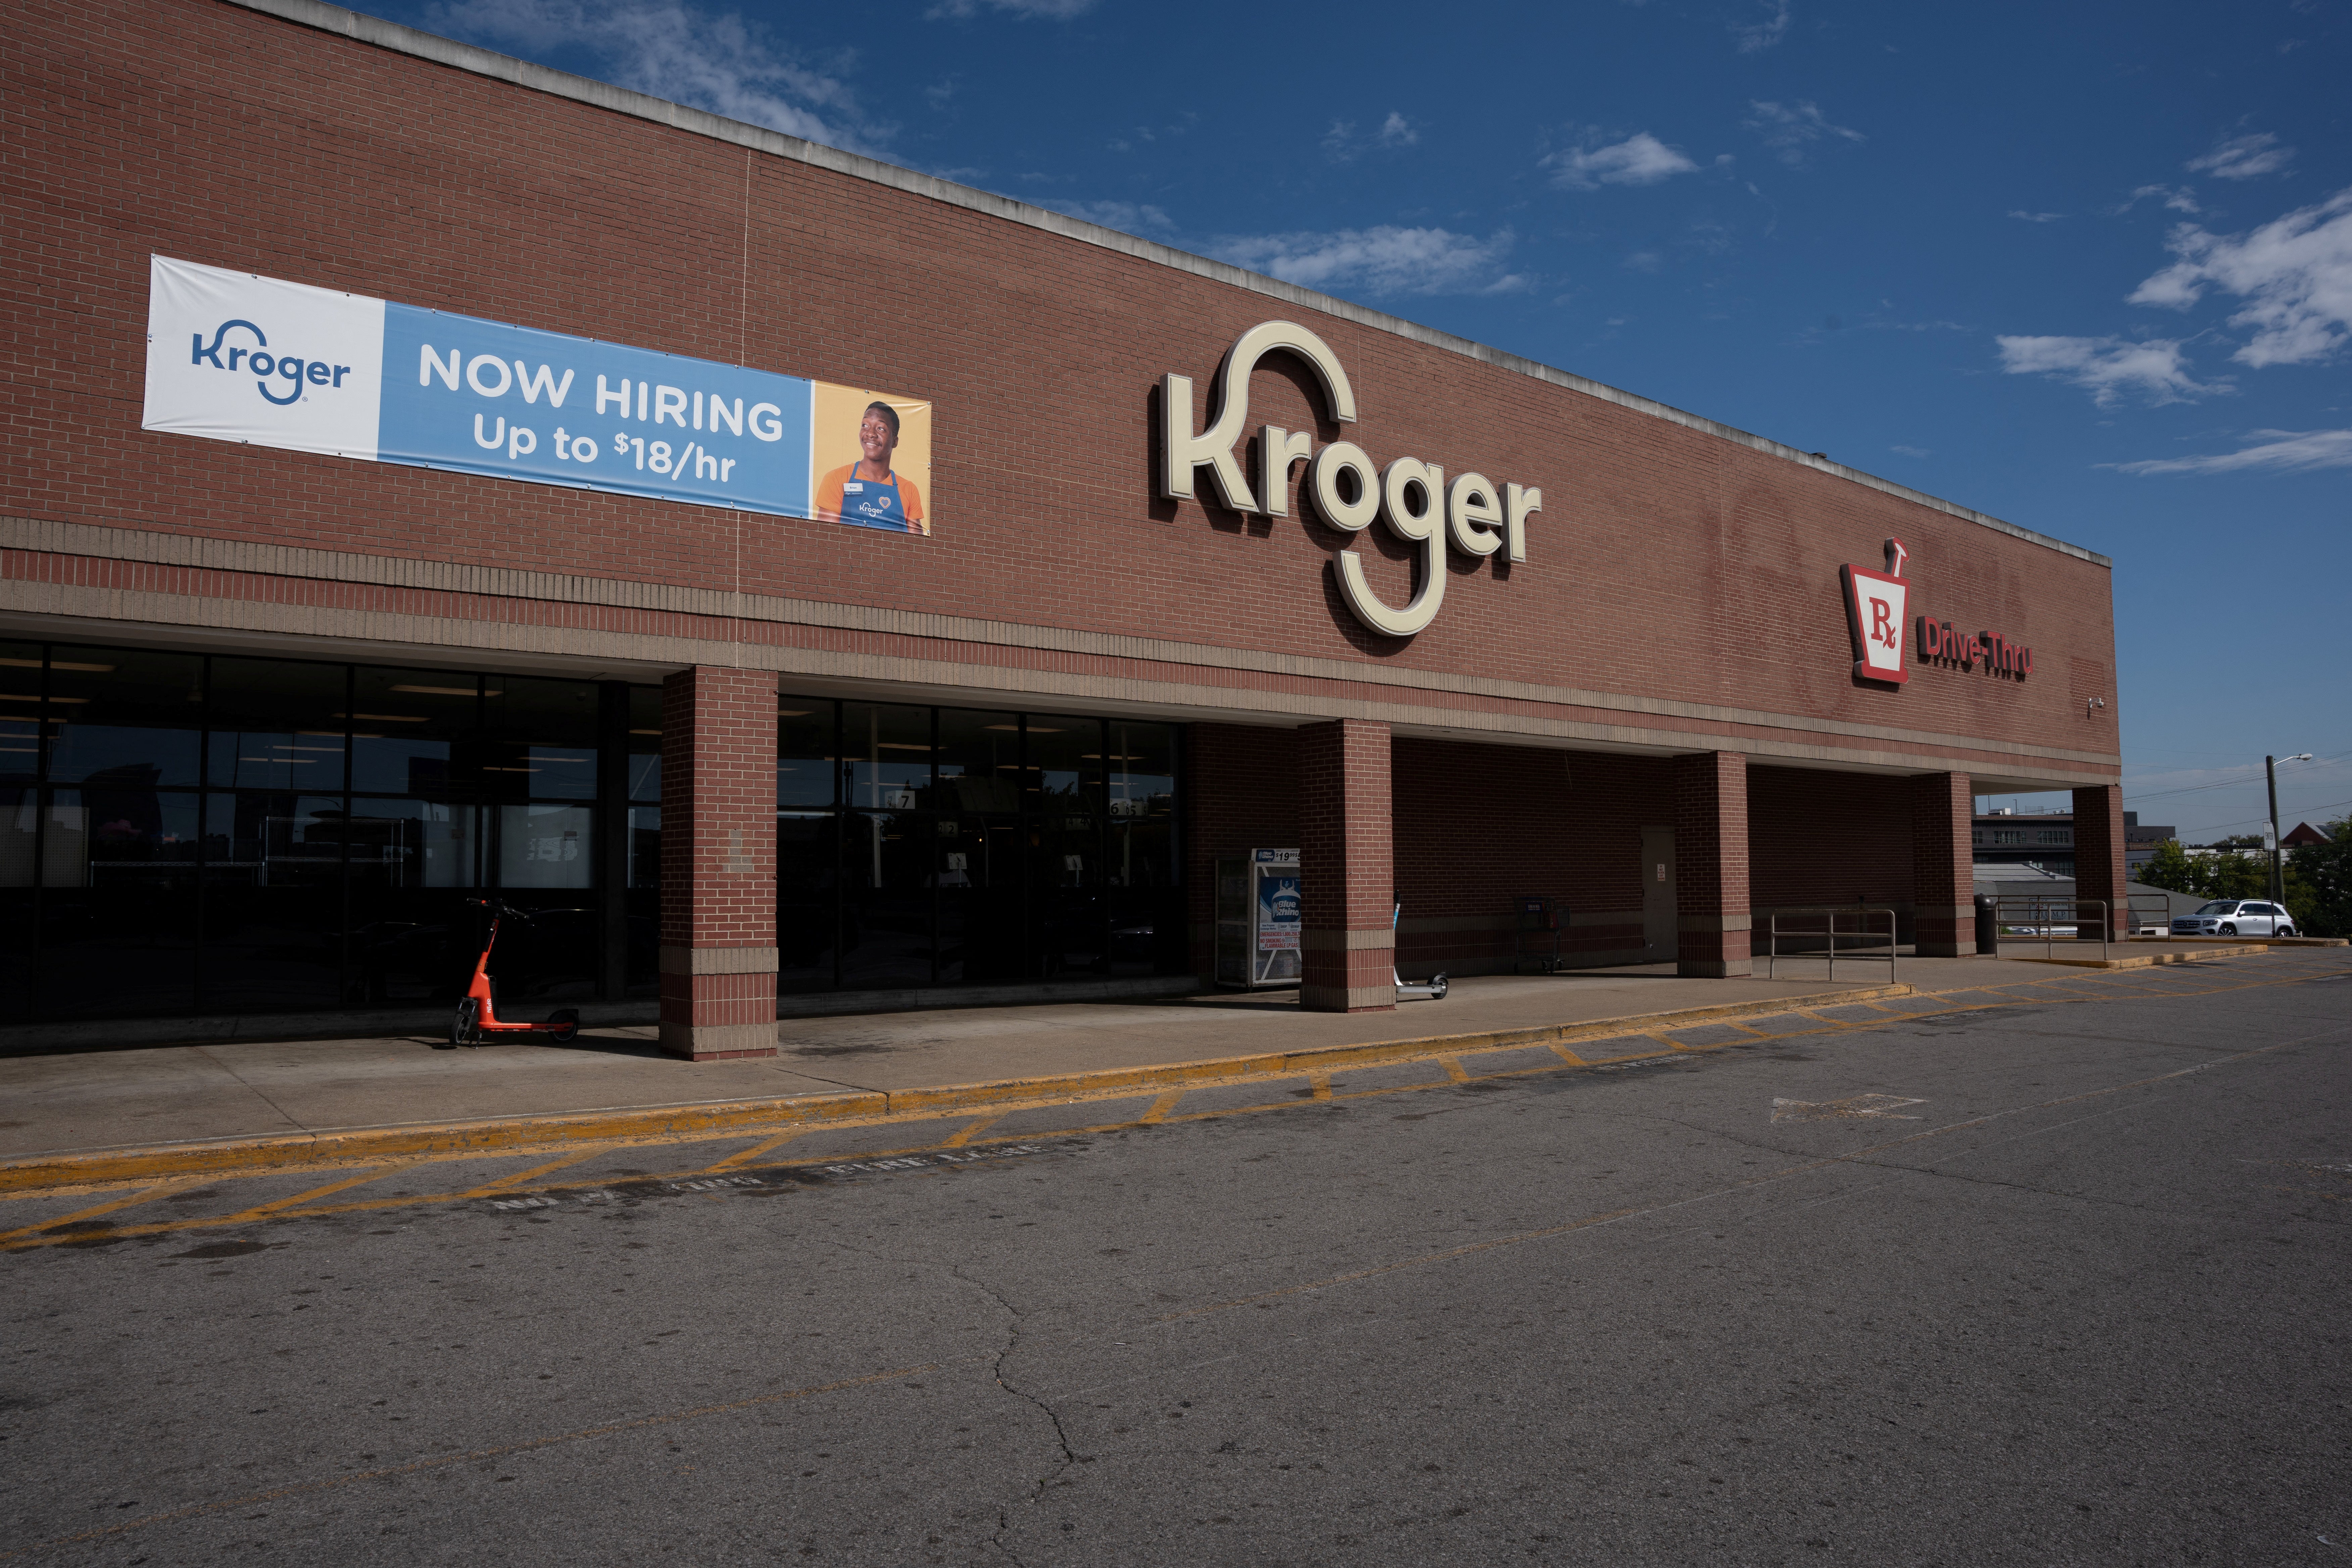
700	122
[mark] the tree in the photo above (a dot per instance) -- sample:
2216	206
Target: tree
2322	875
2171	870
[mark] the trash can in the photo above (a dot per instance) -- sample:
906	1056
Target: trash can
1988	923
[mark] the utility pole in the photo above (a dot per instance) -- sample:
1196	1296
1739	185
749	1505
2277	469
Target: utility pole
2270	773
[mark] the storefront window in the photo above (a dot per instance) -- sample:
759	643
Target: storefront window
124	714
20	714
276	724
416	844
885	755
645	744
544	846
805	752
539	739
408	727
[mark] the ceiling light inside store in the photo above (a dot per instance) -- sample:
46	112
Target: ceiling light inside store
61	664
780	714
645	732
24	696
388	719
447	691
904	745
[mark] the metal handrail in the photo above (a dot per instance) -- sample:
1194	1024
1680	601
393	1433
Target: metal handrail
2043	911
1830	929
2133	902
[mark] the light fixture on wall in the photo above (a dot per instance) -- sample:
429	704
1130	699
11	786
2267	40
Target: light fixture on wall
2092	705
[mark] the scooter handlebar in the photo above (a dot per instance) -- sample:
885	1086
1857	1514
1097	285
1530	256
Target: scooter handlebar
499	909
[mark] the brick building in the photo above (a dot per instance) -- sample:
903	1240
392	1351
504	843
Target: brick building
279	698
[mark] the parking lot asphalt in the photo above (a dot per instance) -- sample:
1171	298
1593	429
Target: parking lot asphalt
2036	1275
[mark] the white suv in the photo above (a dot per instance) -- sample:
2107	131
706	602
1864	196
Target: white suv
2236	916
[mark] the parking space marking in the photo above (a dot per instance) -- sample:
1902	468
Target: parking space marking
518	1177
973	1129
765	1146
144	1194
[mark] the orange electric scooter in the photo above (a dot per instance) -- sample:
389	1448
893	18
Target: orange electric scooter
478	1010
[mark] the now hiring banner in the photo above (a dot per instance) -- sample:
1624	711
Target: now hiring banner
235	357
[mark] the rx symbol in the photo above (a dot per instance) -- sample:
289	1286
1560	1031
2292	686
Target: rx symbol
1882	623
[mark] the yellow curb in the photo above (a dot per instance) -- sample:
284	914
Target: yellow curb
247	1156
2147	960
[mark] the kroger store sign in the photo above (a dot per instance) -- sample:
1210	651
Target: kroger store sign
235	357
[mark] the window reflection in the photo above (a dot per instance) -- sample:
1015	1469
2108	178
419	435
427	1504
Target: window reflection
416	844
805	769
886	754
544	846
20	713
122	711
276	724
406	727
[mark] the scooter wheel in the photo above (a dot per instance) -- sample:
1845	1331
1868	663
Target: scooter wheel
1438	995
462	1030
564	1027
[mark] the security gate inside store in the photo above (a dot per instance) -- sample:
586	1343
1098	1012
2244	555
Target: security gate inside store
1659	914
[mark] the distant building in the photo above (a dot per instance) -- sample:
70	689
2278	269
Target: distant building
2044	841
2304	833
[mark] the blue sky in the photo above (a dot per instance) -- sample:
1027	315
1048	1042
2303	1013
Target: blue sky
2086	268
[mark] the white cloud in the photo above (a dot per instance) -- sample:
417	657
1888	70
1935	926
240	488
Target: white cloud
1127	218
1343	144
1792	131
2243	158
1908	451
2294	272
672	50
2107	367
1383	260
1757	36
1639	160
1049	10
2035	217
2278	451
2182	200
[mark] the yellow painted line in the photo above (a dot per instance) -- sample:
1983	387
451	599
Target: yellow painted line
1454	1068
1319	1084
694	1124
332	1188
144	1194
765	1145
1160	1111
973	1129
519	1177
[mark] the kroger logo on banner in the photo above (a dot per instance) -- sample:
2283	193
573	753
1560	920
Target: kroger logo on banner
234	357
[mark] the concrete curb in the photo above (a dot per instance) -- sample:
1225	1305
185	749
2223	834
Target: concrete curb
685	1123
2147	959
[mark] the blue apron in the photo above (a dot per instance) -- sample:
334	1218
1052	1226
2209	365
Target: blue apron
872	503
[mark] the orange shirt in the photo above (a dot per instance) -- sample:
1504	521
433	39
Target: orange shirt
894	502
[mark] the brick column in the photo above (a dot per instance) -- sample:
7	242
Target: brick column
719	864
1712	906
1345	868
2099	860
1943	866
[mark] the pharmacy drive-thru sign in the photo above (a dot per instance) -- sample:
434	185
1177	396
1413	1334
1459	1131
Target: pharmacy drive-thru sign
1412	498
1874	605
235	357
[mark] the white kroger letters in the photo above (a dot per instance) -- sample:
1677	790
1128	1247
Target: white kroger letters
1410	496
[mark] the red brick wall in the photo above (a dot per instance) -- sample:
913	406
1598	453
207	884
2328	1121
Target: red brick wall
201	131
1241	793
2099	858
1346	857
1711	863
719	864
1943	864
1828	838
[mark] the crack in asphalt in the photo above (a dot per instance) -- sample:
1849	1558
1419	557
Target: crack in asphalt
1016	1319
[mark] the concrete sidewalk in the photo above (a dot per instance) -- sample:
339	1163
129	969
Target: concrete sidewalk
387	1093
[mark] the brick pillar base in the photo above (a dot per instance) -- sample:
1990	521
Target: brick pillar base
2099	861
1345	868
1943	866
1712	907
719	864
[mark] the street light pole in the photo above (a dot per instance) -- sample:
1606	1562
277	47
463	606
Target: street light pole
2270	773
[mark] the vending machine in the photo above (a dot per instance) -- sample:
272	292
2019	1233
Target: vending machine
1258	920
